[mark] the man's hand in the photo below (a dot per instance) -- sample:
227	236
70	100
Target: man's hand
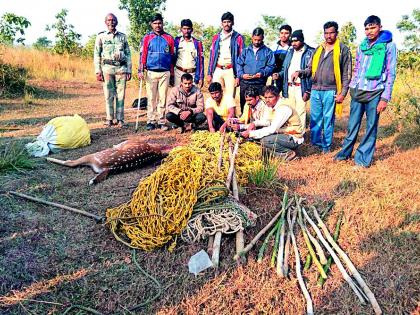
251	127
200	84
339	99
236	82
209	79
171	80
294	76
257	75
211	129
381	106
247	76
140	75
245	134
128	76
222	128
184	114
234	126
100	77
275	76
306	96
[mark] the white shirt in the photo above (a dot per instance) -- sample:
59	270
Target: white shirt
295	64
225	57
186	54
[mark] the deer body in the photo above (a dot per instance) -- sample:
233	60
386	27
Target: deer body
122	157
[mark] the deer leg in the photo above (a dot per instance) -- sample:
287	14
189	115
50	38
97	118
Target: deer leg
99	177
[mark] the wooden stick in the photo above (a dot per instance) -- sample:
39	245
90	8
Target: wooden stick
350	265
280	256
335	257
222	143
216	249
232	162
138	105
258	236
309	305
97	218
322	259
287	246
210	245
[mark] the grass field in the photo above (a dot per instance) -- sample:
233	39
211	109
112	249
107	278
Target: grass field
52	259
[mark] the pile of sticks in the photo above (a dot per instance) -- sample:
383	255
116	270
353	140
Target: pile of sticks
284	226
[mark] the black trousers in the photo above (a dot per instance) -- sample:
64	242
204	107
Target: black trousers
243	84
196	119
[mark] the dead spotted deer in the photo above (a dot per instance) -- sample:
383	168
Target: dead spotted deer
122	157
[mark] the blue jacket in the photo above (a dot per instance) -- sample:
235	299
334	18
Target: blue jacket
236	46
157	52
250	63
306	83
199	59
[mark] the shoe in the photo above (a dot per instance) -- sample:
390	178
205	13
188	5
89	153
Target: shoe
150	126
358	167
286	156
109	123
188	127
163	127
121	124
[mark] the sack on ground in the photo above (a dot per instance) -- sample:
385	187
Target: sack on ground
60	133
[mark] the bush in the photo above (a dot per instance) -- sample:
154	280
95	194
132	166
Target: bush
12	80
13	157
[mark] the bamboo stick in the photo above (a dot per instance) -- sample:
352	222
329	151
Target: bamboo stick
309	304
335	258
216	249
222	143
265	243
287	246
280	257
318	248
232	164
350	266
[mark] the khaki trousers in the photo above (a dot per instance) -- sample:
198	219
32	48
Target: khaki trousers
156	88
114	89
295	101
225	78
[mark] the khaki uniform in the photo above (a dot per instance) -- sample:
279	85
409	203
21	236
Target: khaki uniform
112	58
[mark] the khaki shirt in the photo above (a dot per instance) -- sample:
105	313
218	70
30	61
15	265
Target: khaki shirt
186	54
112	46
179	101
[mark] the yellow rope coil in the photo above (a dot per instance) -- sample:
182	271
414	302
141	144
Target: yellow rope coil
163	203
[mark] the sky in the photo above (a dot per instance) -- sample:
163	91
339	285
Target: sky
309	15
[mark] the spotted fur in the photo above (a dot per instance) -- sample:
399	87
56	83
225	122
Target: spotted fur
128	155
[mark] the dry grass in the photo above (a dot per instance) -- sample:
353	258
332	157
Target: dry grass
380	231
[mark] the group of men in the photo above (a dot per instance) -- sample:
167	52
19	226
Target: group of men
275	83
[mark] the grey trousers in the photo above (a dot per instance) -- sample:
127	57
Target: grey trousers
278	143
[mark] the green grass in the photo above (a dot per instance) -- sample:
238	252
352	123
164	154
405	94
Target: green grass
14	158
266	175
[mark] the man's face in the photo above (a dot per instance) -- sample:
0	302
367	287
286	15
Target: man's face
251	100
187	85
372	31
330	35
227	25
216	95
257	41
111	22
157	26
270	99
186	31
284	36
297	44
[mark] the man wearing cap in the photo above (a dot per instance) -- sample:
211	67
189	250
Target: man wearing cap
370	89
156	66
186	105
297	91
255	64
189	56
330	69
225	48
280	50
112	60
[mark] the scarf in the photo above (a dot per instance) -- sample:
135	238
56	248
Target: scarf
377	52
337	71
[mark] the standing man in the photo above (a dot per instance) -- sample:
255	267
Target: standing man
284	133
219	108
280	50
370	90
112	60
189	56
156	62
297	91
255	64
330	69
225	49
186	105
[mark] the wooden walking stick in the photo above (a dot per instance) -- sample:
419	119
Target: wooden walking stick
138	105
